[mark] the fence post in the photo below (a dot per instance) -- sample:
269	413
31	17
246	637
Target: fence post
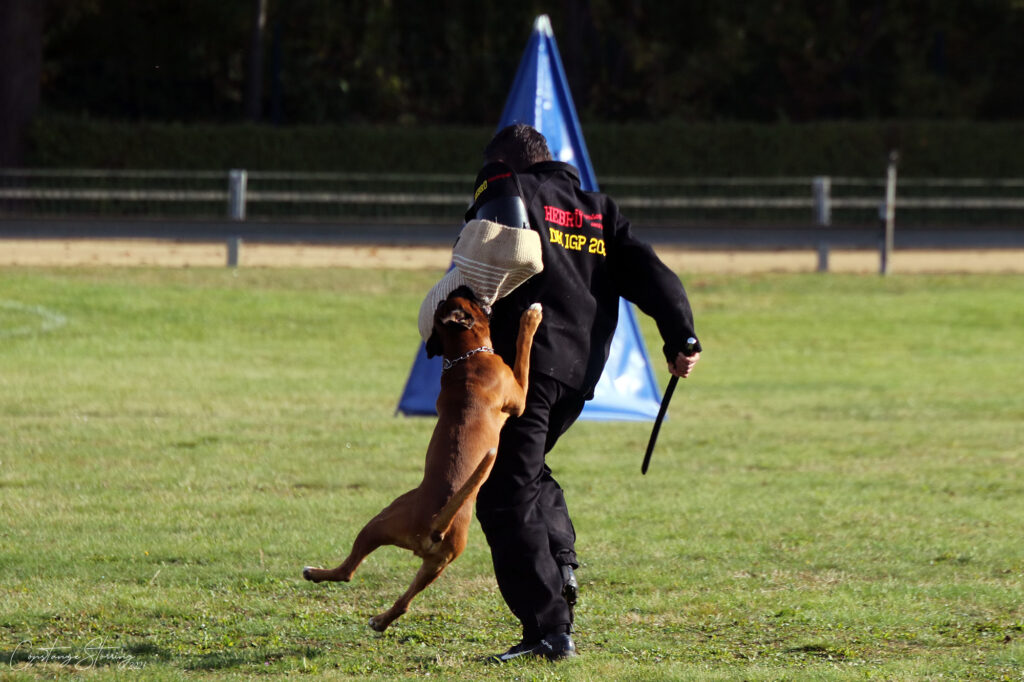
889	214
821	188
237	182
234	244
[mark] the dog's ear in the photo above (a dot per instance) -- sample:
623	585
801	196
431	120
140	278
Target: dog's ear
433	345
459	318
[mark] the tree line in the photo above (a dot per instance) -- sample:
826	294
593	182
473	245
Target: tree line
291	62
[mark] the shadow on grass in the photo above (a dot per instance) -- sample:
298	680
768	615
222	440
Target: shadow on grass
223	660
136	656
820	651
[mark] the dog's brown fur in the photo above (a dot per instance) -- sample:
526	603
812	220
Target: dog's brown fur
478	393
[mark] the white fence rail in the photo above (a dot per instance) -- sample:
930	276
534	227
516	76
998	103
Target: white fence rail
433	198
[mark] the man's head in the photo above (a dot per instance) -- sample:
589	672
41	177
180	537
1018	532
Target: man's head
519	146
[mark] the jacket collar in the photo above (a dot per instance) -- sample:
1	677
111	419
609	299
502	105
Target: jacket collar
550	167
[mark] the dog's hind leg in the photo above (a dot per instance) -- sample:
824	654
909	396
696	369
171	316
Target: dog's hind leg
367	541
442	522
431	568
381	530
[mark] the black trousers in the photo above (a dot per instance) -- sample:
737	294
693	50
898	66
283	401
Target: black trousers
523	513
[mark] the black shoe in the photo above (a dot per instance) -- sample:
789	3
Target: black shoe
524	648
558	647
553	647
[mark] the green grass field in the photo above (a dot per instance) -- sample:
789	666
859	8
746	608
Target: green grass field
838	492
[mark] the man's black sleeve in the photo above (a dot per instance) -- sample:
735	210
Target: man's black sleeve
642	277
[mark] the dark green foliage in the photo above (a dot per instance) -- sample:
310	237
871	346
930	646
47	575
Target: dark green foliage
928	149
352	61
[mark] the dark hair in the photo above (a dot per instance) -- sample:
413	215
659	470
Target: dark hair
519	145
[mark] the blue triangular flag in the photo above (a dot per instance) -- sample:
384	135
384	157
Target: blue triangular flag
422	386
540	97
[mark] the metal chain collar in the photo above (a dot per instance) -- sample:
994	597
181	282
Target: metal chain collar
448	364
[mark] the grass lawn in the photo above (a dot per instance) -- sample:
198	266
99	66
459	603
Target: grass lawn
838	492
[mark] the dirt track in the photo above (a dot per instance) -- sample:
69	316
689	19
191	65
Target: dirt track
85	252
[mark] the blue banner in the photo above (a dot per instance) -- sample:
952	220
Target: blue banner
540	97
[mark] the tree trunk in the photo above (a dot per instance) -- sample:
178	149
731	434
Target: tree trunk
254	74
21	60
579	48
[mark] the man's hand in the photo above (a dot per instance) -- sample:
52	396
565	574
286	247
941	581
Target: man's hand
683	364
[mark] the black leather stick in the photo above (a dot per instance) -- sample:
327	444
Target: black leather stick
691	344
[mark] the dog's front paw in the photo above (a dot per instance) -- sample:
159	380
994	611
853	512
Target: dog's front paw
379	624
532	316
309	573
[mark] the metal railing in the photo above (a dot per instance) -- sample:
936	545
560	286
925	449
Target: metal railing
327	197
237	194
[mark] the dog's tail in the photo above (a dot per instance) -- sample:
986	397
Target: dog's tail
442	522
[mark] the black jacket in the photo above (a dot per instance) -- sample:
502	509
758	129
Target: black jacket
590	259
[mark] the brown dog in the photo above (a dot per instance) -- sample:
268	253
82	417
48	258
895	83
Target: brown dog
478	392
